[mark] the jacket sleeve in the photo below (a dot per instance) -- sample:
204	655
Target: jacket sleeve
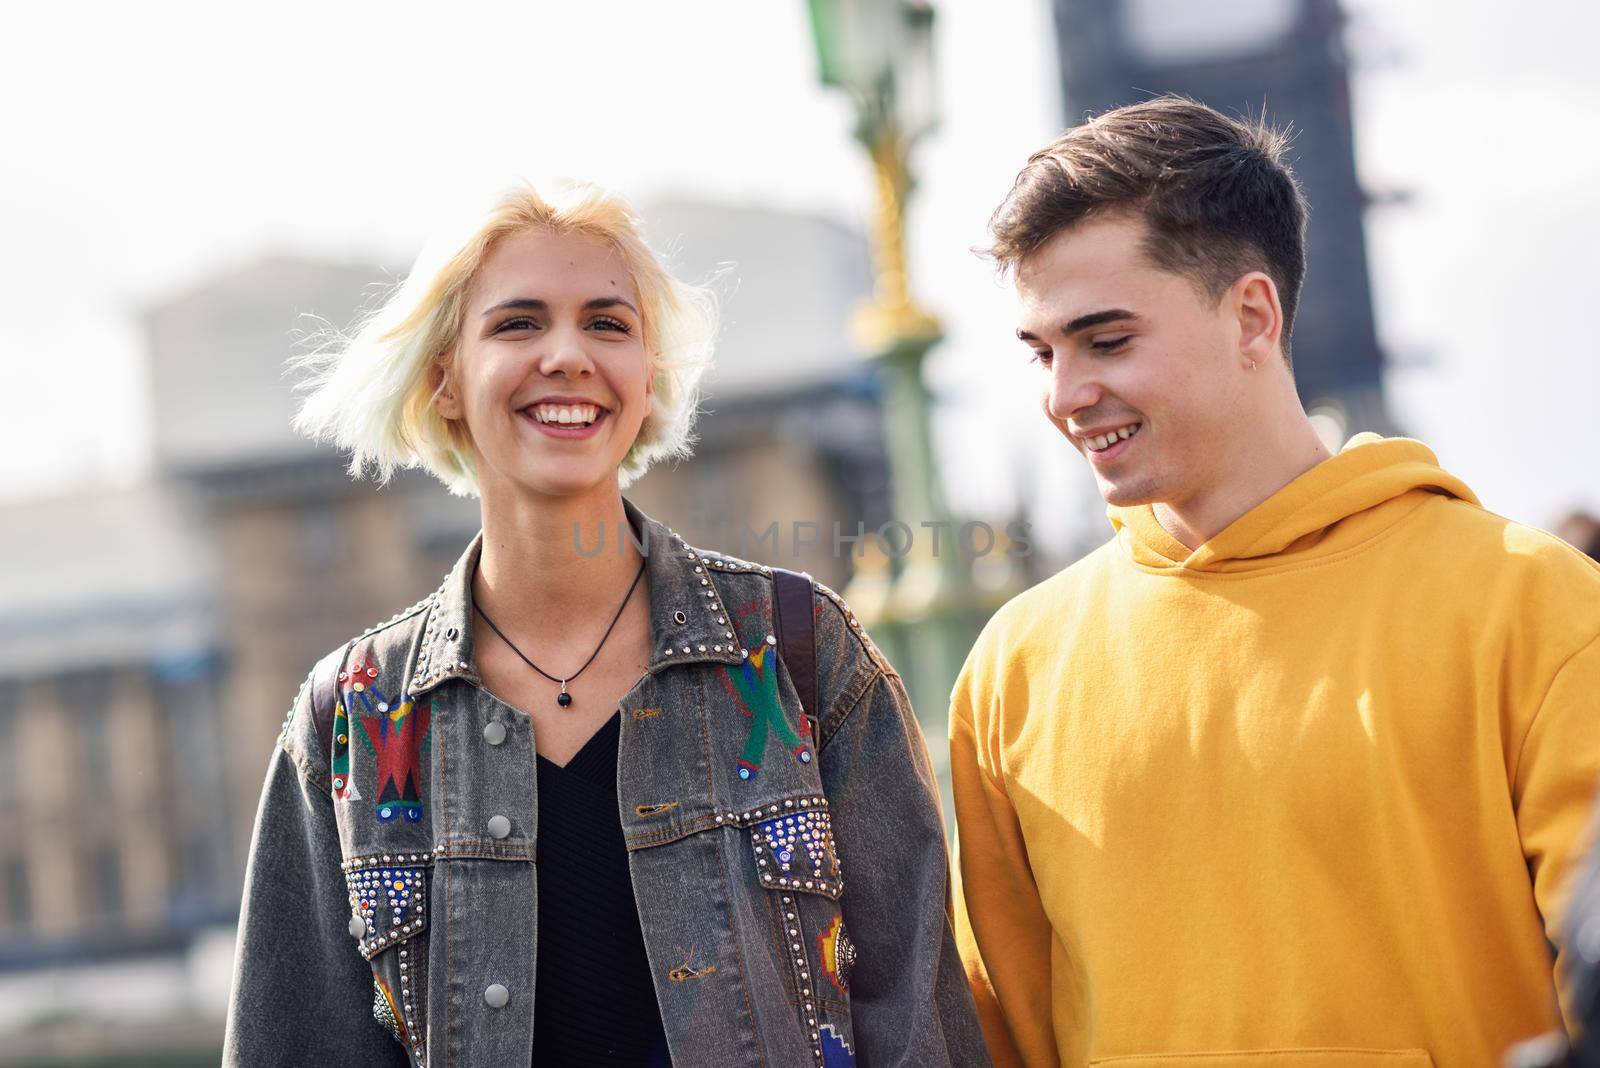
302	994
1004	935
909	1001
1554	790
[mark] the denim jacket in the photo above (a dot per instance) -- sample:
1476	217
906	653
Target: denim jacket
793	894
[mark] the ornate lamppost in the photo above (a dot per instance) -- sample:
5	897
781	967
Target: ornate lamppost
880	52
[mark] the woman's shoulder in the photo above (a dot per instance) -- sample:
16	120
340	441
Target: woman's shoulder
847	659
376	663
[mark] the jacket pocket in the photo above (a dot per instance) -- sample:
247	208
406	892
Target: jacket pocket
389	909
794	848
1276	1058
797	863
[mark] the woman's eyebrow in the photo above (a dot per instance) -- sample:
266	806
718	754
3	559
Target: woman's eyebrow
533	304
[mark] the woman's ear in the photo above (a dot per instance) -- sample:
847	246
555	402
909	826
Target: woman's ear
446	399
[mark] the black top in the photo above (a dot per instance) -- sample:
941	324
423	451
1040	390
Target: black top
594	1002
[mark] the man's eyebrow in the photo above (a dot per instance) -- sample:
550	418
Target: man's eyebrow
1084	322
532	304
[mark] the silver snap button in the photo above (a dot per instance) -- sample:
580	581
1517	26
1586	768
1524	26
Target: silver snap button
494	732
679	618
358	927
496	996
499	826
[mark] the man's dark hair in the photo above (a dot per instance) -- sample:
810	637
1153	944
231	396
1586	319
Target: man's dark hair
1215	193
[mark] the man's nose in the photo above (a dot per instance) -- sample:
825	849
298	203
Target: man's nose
1069	392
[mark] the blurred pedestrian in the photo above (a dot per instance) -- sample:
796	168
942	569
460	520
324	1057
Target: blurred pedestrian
1292	770
1581	531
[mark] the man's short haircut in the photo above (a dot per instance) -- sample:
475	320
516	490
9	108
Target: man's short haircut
1215	193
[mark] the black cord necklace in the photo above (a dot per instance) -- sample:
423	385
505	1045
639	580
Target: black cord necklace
564	698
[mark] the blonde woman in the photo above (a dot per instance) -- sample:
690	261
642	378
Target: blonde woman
572	807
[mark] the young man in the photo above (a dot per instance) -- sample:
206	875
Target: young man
1289	772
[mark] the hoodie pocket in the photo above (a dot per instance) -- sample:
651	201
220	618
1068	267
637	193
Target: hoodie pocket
1276	1058
389	917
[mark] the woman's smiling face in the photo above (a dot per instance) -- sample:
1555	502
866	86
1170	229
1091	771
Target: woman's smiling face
551	373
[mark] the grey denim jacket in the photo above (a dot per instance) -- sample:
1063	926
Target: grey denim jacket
794	903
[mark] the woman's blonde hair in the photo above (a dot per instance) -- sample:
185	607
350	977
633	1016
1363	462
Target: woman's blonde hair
372	393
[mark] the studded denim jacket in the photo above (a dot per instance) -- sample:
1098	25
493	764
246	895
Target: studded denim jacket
793	891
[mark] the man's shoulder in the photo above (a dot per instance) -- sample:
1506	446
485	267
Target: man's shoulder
1043	604
1478	539
1041	618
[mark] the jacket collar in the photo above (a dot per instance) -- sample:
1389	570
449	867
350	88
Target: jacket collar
688	622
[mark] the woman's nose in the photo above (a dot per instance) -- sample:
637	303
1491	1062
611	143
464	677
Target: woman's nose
565	354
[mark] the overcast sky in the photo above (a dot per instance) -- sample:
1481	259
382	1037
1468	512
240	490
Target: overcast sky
144	146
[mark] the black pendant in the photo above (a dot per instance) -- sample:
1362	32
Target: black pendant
563	699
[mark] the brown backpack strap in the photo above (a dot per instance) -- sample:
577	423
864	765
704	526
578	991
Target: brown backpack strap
795	628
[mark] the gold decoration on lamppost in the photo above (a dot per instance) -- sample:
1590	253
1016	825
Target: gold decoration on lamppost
880	52
893	318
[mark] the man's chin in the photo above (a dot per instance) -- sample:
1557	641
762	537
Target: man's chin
1127	493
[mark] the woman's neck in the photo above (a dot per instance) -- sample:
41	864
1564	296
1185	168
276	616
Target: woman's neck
551	559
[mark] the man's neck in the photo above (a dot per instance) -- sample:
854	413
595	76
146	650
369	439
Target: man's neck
1265	464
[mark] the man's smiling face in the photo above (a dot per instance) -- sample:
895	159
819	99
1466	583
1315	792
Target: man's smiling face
1140	367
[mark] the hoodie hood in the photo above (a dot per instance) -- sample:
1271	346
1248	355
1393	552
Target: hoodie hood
1369	486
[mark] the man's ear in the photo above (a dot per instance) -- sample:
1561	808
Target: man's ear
1260	318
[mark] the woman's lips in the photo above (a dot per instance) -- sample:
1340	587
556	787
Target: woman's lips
569	431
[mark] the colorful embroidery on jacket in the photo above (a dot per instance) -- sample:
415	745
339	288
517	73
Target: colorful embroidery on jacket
343	788
397	739
391	890
838	954
396	733
755	680
836	1052
809	831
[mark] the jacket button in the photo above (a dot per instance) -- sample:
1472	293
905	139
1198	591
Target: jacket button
358	927
450	635
499	827
495	732
496	996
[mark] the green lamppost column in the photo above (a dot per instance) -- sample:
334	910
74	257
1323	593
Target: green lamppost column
918	602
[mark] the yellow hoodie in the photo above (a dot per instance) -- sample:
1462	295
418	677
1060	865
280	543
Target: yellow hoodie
1303	796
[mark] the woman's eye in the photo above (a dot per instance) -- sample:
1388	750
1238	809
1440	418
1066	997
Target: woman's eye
523	323
605	322
1111	344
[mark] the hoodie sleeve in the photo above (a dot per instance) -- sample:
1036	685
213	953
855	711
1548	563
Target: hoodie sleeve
1002	931
1554	787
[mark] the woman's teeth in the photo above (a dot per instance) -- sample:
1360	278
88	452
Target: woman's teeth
566	414
1101	442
